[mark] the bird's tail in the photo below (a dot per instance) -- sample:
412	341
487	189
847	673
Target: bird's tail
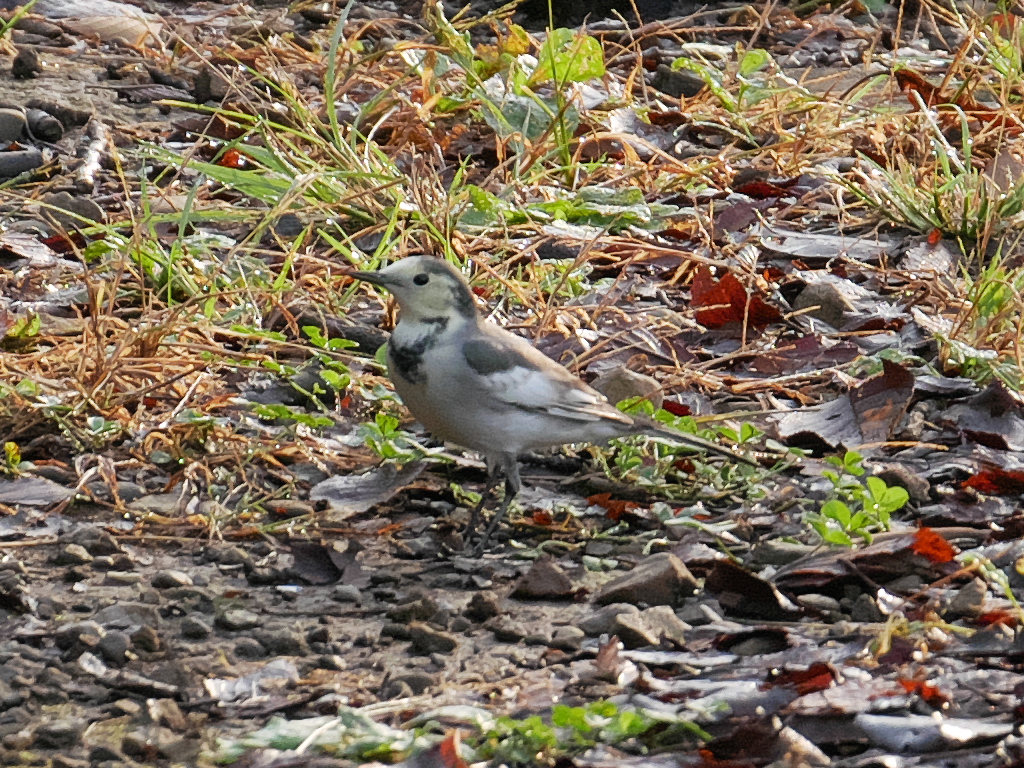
651	427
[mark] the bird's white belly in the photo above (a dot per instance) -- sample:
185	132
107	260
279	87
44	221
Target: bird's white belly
454	411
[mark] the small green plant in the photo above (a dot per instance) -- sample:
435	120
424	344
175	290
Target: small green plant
533	742
22	334
949	193
333	371
858	509
292	413
385	438
675	470
983	342
12	463
319	376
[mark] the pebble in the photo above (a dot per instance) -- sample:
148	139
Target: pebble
146	639
26	64
427	640
70	635
417	681
483	606
506	630
171	579
58	734
281	642
661	579
346	593
113	648
420	609
969	601
568	639
96	541
237	620
73	554
545	580
249	648
820	603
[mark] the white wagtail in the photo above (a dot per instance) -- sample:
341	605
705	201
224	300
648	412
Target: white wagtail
472	383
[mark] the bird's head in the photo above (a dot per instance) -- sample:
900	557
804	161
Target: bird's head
425	288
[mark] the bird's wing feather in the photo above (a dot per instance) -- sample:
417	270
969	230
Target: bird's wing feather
515	373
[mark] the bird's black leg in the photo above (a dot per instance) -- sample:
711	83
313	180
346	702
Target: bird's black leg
512	486
493	475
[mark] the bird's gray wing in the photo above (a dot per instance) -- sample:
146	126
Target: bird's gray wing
512	372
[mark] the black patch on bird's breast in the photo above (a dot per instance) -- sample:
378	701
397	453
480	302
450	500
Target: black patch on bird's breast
406	361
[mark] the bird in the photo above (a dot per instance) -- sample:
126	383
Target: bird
472	383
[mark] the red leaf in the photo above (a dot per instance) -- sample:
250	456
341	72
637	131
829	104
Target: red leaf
991	618
929	693
997	482
726	301
929	544
816	677
542	517
616	508
676	409
233	159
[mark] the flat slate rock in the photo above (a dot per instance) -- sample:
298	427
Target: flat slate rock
661	579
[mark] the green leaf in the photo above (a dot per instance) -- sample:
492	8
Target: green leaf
877	488
484	208
570	717
837	511
568	56
753	61
893	499
833	536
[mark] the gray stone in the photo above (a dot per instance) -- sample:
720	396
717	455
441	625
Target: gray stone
544	581
237	620
195	628
73	554
33	492
171	579
281	642
72	212
59	734
97	541
70	635
417	681
603	620
633	631
568	639
866	610
969	602
346	593
125	615
820	603
483	606
661	579
665	624
620	384
427	640
249	648
506	630
677	83
113	648
775	552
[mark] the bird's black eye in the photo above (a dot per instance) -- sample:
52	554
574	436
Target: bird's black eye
421	279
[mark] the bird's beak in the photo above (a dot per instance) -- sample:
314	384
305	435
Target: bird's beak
374	278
